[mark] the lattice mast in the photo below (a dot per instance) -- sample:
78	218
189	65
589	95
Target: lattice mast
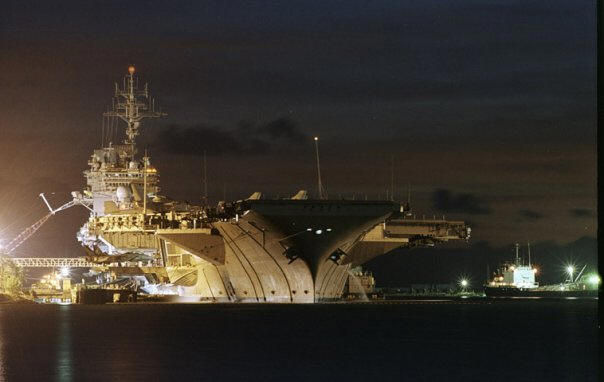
132	105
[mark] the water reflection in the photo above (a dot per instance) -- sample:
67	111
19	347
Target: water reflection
2	373
225	342
64	371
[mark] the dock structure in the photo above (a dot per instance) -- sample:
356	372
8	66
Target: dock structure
52	262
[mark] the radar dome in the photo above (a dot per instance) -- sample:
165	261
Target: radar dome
123	194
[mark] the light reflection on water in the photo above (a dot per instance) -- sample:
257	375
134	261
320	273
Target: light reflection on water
64	357
1	348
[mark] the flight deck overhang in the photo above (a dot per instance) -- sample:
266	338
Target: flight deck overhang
199	242
397	233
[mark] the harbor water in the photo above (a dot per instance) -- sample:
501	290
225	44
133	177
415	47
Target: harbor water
449	340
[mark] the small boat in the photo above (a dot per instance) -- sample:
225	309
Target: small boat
516	279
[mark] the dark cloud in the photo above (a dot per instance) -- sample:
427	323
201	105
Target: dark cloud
460	68
247	138
530	215
581	213
446	201
282	128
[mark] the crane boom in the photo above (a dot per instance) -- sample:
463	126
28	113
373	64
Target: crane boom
29	231
25	234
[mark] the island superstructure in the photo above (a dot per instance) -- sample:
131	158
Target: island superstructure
296	250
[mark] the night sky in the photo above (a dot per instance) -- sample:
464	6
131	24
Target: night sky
486	108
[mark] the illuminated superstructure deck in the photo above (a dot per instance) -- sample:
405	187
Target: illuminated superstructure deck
515	275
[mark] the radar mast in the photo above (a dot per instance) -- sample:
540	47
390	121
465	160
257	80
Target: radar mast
132	105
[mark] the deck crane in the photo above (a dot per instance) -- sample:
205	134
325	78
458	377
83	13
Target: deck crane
29	231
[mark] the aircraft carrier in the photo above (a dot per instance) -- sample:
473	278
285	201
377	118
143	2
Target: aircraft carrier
296	250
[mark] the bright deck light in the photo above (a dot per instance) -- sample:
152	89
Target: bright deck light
65	271
464	283
594	279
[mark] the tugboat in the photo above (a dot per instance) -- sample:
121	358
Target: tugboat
516	279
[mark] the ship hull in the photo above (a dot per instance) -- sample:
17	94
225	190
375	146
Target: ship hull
495	292
280	251
283	251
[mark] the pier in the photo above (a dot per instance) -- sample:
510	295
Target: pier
51	262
